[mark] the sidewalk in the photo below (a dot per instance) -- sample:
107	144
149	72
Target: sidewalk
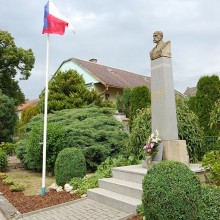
81	209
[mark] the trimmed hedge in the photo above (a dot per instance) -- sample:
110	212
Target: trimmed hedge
171	191
211	202
70	163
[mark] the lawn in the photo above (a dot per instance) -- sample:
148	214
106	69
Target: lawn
30	179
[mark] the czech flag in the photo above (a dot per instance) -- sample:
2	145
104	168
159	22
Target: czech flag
54	22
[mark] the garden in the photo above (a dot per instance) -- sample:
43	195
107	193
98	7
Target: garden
84	141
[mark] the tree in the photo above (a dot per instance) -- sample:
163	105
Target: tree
127	101
13	61
67	90
26	116
208	92
215	118
8	118
140	98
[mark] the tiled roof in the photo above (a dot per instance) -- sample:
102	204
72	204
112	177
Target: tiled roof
27	104
113	77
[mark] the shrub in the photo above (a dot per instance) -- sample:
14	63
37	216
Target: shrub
211	160
208	92
88	183
141	130
140	98
76	182
95	155
21	150
8	181
69	163
3	160
189	129
9	148
78	128
3	176
215	118
17	187
171	191
34	145
211	202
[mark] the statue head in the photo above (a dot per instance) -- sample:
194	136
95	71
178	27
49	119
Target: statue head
157	36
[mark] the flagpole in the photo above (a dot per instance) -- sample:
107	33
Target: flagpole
43	189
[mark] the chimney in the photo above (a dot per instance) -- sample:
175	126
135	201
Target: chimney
93	60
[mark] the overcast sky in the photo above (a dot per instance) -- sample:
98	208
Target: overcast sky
119	34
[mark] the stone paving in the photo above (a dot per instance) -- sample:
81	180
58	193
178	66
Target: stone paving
77	210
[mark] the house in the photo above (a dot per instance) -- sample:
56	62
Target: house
25	105
107	81
190	91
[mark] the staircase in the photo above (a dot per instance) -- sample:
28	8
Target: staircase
123	191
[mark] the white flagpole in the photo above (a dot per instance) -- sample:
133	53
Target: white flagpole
43	189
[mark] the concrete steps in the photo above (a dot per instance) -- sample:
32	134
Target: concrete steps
118	201
122	186
123	191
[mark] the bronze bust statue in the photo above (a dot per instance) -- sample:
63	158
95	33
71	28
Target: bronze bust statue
162	49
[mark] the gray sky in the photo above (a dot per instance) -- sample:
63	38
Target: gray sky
119	34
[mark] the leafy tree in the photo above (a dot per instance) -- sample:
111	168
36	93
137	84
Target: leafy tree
215	118
140	98
123	102
8	118
208	92
26	116
13	61
67	90
126	98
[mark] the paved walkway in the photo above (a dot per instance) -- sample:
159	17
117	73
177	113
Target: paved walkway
82	209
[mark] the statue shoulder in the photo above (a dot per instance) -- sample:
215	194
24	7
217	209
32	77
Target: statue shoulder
162	50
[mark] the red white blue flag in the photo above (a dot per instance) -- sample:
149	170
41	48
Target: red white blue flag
54	22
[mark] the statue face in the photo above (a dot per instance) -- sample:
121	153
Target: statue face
157	37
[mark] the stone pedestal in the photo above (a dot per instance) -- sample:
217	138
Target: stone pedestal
175	150
163	99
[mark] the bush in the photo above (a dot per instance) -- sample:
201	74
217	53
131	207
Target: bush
141	130
88	183
8	181
17	187
94	155
189	130
211	161
171	191
211	202
69	163
3	160
3	176
140	98
7	147
21	150
78	128
34	146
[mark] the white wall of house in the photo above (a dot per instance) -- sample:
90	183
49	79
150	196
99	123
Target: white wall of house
88	78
